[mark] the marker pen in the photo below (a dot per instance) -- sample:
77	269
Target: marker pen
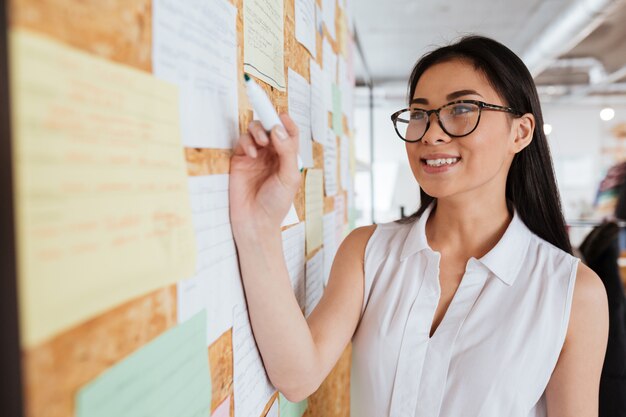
264	108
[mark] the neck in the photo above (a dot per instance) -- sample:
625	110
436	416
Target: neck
467	227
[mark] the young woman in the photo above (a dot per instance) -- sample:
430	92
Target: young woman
474	306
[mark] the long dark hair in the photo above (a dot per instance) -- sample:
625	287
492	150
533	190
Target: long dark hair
530	186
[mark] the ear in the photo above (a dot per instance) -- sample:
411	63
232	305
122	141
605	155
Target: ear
524	129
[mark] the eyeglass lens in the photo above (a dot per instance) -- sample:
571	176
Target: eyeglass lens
458	119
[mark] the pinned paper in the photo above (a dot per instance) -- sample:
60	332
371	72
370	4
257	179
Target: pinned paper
329	66
216	285
305	24
263	37
103	211
289	409
328	10
337	112
330	243
291	217
252	387
314	281
294	253
170	376
181	55
314	208
330	163
222	410
299	100
319	115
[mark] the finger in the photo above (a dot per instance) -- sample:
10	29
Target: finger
258	133
246	146
286	148
290	125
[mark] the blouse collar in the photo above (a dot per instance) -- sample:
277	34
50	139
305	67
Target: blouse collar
504	260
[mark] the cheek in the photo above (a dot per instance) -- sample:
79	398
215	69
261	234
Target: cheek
413	159
486	154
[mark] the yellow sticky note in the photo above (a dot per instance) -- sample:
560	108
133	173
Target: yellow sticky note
313	208
102	207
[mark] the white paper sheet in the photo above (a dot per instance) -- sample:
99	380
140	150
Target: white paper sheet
347	102
263	37
330	243
344	161
216	286
195	47
328	10
252	387
313	208
342	74
273	412
314	281
329	65
340	218
293	250
319	114
291	217
330	163
319	19
350	194
299	98
305	24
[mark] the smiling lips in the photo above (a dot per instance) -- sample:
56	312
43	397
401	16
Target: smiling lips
438	160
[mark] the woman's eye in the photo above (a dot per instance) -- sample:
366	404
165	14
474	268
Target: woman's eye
460	110
417	115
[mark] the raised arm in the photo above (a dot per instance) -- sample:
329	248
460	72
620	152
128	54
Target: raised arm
297	355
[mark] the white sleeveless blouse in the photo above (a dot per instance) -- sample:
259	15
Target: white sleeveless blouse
497	345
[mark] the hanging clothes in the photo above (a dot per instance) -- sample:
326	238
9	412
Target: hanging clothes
600	252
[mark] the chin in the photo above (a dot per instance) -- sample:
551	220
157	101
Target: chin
437	191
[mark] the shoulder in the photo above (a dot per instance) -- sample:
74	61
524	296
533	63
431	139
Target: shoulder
590	296
589	311
356	241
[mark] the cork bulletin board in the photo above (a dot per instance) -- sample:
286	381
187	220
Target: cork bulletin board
54	368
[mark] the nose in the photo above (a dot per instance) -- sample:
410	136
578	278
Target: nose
435	134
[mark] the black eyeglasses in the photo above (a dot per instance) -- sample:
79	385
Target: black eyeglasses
457	119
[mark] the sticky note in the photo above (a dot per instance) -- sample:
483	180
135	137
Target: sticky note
314	208
169	376
103	212
289	409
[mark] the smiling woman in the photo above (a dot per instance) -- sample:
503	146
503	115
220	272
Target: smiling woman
474	305
490	209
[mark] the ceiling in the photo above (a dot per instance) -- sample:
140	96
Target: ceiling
575	48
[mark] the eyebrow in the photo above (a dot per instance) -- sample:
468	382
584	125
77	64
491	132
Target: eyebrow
450	96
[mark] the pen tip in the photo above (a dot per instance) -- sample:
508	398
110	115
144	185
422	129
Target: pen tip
246	77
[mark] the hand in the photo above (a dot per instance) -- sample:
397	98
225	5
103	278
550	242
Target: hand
264	176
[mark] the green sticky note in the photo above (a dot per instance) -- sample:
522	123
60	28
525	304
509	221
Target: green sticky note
169	376
289	409
337	112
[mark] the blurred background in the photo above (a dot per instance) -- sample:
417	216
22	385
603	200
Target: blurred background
575	49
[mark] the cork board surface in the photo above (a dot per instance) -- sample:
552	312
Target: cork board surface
121	31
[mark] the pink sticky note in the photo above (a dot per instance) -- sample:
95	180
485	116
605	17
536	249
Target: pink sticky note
222	410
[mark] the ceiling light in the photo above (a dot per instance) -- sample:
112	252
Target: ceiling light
607	114
547	128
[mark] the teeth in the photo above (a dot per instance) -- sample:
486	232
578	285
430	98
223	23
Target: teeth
440	162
